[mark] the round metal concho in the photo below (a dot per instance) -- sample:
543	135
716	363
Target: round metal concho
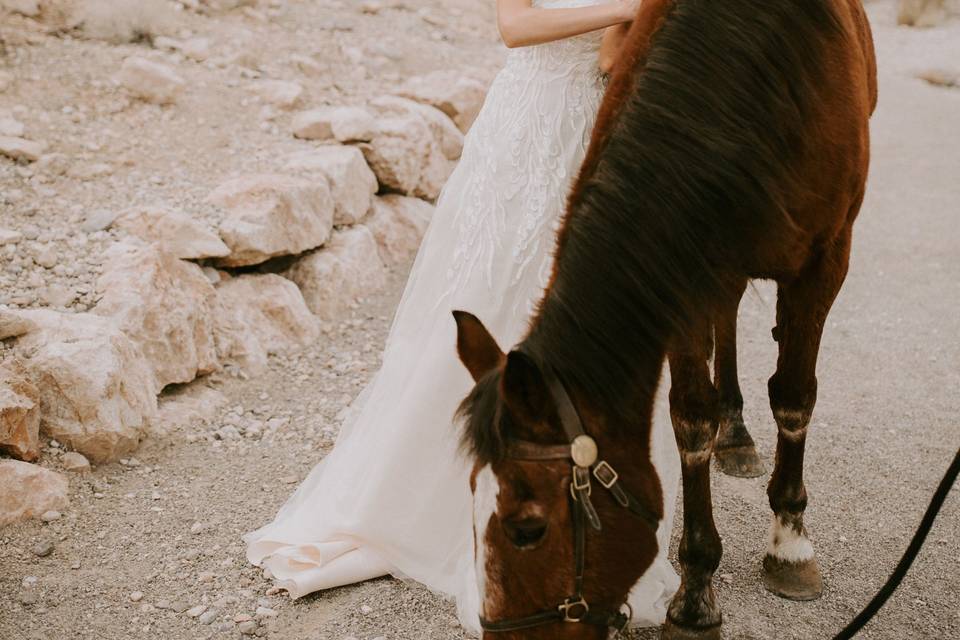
583	450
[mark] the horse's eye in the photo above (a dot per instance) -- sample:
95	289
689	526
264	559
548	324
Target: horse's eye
525	533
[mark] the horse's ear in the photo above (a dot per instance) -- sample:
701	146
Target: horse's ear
478	350
524	388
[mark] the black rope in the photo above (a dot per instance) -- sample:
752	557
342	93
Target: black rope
909	555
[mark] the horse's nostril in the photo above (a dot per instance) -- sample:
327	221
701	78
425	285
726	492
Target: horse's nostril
526	533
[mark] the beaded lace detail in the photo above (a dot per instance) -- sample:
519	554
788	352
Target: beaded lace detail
518	163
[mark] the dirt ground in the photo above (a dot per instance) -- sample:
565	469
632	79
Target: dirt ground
147	543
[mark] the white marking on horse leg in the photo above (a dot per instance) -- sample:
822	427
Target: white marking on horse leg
697	457
792	424
484	506
786	544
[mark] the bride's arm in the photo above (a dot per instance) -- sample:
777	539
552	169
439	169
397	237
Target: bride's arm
521	24
613	39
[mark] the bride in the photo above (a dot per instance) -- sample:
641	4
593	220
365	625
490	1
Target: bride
393	495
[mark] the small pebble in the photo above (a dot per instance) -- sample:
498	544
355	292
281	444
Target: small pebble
43	549
50	516
28	597
265	612
247	628
196	611
209	616
136	596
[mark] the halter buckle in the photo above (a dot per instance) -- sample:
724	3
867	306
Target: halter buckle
605	474
568	609
581	482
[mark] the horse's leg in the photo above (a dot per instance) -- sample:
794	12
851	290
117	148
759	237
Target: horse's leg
694	612
790	567
734	451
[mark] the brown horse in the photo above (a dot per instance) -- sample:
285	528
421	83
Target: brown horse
733	143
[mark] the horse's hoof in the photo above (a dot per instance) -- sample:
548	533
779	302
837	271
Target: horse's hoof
792	580
740	462
672	631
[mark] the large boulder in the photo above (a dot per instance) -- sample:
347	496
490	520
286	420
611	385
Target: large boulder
175	232
165	306
351	181
272	215
344	124
28	491
406	158
150	81
19	414
444	131
457	96
398	224
97	391
261	314
331	278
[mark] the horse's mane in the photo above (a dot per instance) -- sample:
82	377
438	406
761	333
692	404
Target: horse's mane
695	167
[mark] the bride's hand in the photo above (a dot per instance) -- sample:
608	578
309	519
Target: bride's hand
630	9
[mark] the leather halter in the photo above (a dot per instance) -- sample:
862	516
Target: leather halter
582	450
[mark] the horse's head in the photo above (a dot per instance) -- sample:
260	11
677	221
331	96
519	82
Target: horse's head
533	530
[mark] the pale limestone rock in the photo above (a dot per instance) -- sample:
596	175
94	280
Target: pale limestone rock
76	462
345	124
922	13
29	8
348	267
97	391
445	132
54	164
195	48
150	81
19	414
457	96
281	93
351	181
20	148
174	231
272	215
12	325
398	224
261	314
12	128
29	491
165	306
406	158
188	407
9	236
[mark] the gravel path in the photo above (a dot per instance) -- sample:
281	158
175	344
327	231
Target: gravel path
151	548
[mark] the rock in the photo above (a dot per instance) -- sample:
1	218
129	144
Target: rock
9	236
247	628
53	164
307	65
936	77
88	172
406	158
28	598
188	406
352	183
12	325
99	220
165	306
57	296
11	128
208	616
922	13
458	97
97	392
150	81
42	549
272	215
20	149
398	224
260	314
73	461
29	491
136	596
29	8
195	48
331	278
265	612
345	124
19	414
50	516
279	92
197	611
444	131
175	233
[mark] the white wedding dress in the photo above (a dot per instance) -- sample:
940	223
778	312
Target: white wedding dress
393	496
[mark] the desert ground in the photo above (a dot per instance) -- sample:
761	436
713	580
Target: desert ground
150	546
